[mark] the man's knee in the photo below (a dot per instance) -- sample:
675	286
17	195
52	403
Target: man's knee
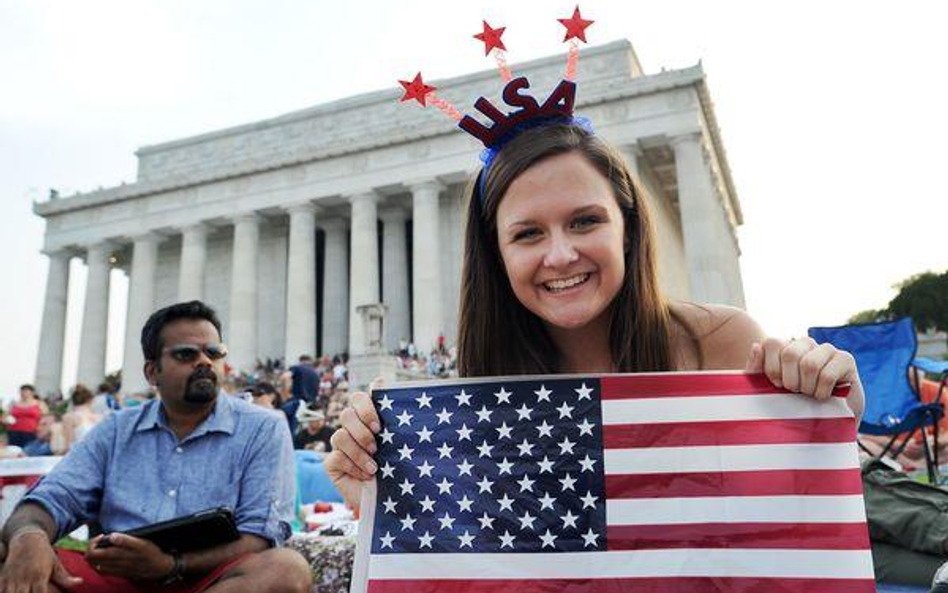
283	570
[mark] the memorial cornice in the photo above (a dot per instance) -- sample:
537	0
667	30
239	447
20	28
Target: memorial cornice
609	73
409	125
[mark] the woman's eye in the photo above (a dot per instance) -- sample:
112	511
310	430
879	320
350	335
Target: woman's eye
585	221
525	234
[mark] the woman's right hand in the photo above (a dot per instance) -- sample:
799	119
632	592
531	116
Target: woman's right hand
353	444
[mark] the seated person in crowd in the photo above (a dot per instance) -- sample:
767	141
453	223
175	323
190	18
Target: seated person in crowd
79	421
185	452
313	433
42	444
265	395
8	451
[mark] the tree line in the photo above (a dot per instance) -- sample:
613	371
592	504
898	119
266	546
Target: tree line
923	297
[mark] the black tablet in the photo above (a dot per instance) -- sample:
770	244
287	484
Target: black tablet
197	531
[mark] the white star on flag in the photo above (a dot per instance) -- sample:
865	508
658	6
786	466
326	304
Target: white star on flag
423	400
543	394
503	396
584	392
464	399
425	469
427	504
404	419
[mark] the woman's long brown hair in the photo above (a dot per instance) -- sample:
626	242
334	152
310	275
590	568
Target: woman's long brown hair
497	335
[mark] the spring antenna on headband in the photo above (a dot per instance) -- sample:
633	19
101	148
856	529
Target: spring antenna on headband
494	44
575	31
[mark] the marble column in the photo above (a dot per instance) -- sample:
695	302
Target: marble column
242	340
704	225
49	358
141	304
364	272
301	283
426	269
95	316
193	263
395	277
335	287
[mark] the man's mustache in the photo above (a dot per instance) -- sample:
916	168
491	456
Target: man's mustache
203	373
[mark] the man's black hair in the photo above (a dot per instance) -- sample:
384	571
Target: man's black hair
28	386
151	333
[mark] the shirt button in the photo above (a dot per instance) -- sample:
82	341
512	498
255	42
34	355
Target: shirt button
178	450
172	493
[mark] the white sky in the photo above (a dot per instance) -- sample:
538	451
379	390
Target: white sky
832	113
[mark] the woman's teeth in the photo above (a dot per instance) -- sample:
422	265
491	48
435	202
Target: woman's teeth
564	283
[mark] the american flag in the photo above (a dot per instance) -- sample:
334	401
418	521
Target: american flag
674	482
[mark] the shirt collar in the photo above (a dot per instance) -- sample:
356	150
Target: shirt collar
221	418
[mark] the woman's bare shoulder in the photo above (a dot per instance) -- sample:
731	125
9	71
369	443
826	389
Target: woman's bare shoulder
725	334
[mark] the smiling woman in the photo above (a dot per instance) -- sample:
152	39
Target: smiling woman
556	236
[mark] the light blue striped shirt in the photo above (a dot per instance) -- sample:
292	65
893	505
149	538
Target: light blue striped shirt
131	471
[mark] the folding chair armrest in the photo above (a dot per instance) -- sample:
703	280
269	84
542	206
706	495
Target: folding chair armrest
933	367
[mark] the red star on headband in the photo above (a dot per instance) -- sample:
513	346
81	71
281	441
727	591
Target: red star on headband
575	26
416	89
491	38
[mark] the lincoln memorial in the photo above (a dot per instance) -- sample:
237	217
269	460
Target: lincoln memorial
285	226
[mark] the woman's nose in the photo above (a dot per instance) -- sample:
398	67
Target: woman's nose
561	252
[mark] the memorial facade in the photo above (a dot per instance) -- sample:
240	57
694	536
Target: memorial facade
288	225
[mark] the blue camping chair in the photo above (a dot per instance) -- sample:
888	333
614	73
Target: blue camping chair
884	353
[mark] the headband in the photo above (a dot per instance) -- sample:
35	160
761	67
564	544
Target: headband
528	113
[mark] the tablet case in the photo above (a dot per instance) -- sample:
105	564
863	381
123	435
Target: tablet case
197	531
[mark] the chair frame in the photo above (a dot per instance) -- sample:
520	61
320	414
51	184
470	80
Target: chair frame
930	413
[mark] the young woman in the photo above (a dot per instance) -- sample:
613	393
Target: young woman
560	277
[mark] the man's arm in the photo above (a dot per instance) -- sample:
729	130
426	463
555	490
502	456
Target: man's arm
31	562
28	517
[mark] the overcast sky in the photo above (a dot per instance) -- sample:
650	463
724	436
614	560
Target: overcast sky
833	115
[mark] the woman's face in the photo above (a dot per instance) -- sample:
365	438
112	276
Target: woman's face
561	237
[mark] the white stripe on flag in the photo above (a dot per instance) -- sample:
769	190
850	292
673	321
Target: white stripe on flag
736	509
661	460
853	564
725	407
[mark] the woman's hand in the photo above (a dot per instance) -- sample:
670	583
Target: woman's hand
803	366
353	445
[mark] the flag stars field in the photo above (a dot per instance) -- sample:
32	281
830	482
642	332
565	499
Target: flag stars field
487	451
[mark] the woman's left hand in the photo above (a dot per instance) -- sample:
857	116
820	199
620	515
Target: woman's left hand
803	366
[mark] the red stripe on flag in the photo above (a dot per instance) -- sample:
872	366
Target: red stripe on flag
730	432
796	482
811	536
689	385
625	585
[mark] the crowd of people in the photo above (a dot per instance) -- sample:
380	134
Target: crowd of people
311	394
36	426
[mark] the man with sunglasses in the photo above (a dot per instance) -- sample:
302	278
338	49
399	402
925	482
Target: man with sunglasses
192	449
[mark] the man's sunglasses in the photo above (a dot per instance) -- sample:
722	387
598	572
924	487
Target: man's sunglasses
191	352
